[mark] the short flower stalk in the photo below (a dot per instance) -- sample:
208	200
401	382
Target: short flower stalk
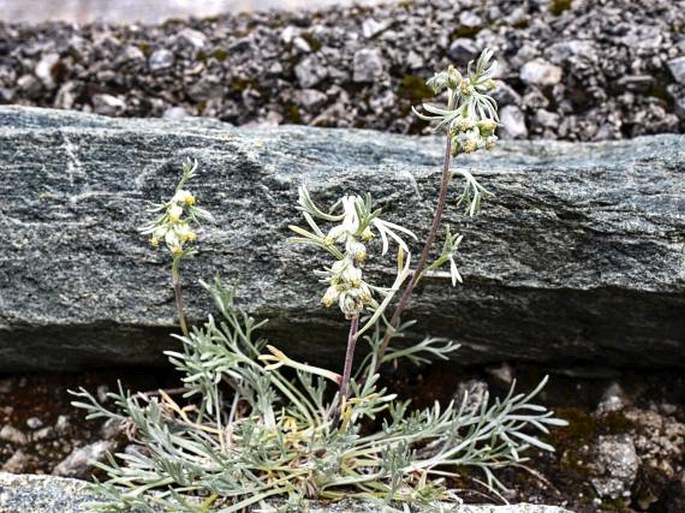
176	225
346	242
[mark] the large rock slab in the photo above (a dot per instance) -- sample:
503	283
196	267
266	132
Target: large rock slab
48	494
578	258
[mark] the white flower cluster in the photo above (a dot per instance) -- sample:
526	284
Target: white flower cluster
469	135
173	229
346	285
173	226
470	115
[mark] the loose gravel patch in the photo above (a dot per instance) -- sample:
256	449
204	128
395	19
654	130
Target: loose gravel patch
573	70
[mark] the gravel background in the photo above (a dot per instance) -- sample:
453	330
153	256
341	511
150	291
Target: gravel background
149	11
570	69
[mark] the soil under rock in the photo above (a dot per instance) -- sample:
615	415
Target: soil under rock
569	69
623	450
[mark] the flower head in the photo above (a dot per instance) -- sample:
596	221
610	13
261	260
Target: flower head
346	242
183	197
468	105
175	212
173	224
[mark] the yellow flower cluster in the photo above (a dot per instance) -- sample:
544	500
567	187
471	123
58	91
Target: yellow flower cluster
177	217
172	228
469	135
471	114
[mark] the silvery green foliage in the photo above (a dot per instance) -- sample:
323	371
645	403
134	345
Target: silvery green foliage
449	249
245	432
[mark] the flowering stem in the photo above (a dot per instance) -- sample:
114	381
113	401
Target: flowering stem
349	357
176	281
423	259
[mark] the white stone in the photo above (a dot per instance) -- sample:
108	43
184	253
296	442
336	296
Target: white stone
192	37
108	104
368	65
372	27
81	459
161	59
513	123
540	73
44	69
12	435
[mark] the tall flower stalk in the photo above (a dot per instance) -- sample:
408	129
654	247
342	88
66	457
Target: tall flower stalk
469	118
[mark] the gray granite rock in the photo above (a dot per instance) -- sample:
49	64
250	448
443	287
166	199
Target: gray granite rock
46	494
310	71
677	93
108	104
463	49
540	73
677	68
192	38
81	459
368	65
372	27
16	463
617	464
578	258
44	69
513	123
161	59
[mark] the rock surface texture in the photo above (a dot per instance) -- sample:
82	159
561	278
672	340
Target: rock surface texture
44	494
579	256
600	70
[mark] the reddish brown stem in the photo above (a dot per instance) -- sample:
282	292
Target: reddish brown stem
349	359
423	259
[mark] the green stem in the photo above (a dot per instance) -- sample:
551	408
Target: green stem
176	281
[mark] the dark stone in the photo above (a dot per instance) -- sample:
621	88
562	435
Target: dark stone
578	258
462	50
677	68
636	83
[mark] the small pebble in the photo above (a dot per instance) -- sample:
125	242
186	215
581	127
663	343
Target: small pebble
34	422
13	435
541	73
63	424
80	460
16	464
